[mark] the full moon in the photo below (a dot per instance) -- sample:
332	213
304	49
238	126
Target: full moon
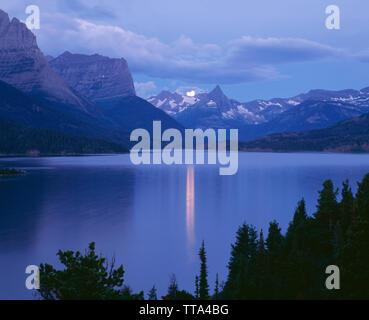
190	93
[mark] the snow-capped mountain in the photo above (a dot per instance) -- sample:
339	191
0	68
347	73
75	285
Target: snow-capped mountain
203	109
172	103
215	109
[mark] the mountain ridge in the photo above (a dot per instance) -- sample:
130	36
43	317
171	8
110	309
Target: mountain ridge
258	118
95	76
350	135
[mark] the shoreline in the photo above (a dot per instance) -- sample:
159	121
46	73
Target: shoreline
22	155
7	172
26	155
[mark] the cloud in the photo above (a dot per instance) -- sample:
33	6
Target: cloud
184	89
86	9
145	89
241	60
363	56
274	51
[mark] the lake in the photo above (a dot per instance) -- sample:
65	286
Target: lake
151	218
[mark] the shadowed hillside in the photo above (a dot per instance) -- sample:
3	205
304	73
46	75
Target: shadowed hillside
17	139
347	136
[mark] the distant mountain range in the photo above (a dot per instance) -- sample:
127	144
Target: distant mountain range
254	119
346	136
204	110
308	115
74	99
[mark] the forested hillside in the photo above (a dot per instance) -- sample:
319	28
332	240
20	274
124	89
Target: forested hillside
17	139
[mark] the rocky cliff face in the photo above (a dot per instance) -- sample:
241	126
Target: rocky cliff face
23	65
95	76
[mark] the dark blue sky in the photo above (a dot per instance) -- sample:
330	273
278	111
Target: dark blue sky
253	49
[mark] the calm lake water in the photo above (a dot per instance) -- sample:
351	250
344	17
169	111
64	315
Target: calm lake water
152	218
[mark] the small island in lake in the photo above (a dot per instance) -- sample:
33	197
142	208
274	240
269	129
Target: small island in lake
6	172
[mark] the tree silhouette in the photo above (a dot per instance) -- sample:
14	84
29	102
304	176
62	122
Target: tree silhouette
203	280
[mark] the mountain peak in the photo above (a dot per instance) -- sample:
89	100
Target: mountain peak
95	76
365	90
66	54
217	90
4	22
165	93
23	65
217	96
166	96
3	17
15	34
15	21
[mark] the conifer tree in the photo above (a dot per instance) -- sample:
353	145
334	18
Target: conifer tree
261	247
86	276
153	293
274	240
277	260
216	290
338	241
238	257
295	236
203	280
173	288
297	253
261	270
327	208
355	260
242	264
325	218
362	197
197	290
346	206
355	255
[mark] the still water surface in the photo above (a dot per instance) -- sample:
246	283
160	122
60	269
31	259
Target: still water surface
152	218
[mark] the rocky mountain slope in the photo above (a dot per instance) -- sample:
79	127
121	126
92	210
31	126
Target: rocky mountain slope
132	112
95	76
108	83
23	65
27	110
